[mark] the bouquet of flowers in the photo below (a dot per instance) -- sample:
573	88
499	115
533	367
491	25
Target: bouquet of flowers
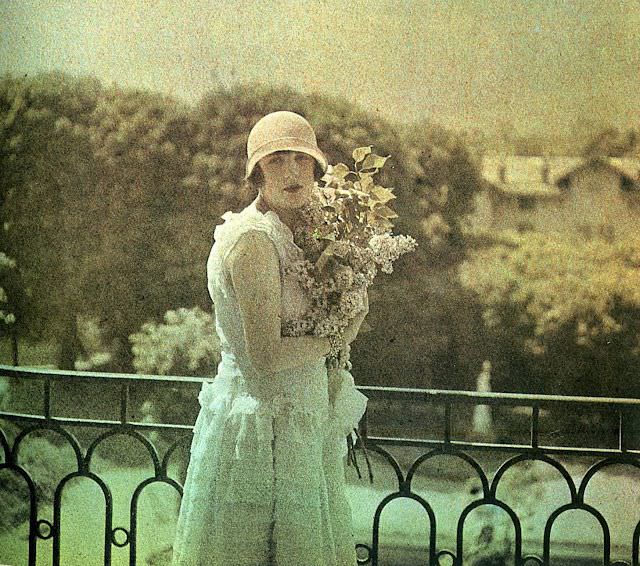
346	238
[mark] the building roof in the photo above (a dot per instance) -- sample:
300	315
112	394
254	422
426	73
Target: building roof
630	167
626	167
529	189
561	166
538	176
519	176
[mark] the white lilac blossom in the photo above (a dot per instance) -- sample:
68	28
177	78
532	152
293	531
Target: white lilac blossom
298	327
341	248
345	234
351	301
323	305
338	298
343	277
360	280
327	327
387	249
303	272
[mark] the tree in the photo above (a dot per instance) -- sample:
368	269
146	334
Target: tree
141	147
565	314
111	197
7	316
46	164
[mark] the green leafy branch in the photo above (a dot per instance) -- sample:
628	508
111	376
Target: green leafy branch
353	195
354	206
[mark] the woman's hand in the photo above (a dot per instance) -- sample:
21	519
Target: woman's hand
352	329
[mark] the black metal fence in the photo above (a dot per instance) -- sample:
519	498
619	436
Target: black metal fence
607	437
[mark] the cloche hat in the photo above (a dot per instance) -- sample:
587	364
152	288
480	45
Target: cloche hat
282	131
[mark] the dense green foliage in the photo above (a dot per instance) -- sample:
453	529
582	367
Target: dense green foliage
9	288
109	199
46	165
564	315
7	266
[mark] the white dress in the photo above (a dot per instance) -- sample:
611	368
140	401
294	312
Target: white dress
265	483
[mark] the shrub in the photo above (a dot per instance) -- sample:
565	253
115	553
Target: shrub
185	344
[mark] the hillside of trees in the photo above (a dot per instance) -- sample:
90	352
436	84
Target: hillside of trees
109	197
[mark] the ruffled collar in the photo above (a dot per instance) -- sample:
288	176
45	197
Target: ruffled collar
270	218
273	217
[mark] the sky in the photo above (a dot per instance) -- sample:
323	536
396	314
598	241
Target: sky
539	65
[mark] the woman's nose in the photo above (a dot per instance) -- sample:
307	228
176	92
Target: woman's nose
292	168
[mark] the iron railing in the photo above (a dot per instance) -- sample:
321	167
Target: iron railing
446	409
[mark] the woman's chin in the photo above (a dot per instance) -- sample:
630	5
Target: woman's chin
295	195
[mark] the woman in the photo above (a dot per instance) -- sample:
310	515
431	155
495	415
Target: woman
265	484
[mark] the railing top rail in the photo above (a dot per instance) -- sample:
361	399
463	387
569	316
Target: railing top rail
38	373
441	396
437	396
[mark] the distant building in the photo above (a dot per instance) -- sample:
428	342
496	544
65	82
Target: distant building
569	195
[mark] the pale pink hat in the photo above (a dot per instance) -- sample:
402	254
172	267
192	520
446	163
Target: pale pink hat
282	131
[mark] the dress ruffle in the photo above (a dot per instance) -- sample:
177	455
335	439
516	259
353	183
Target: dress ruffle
220	400
269	465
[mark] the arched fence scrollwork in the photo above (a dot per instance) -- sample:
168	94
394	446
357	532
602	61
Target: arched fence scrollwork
443	442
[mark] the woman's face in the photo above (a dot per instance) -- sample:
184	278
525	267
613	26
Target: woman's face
288	179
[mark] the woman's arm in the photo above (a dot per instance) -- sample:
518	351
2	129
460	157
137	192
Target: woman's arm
255	273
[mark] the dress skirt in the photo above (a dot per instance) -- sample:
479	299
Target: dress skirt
265	484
